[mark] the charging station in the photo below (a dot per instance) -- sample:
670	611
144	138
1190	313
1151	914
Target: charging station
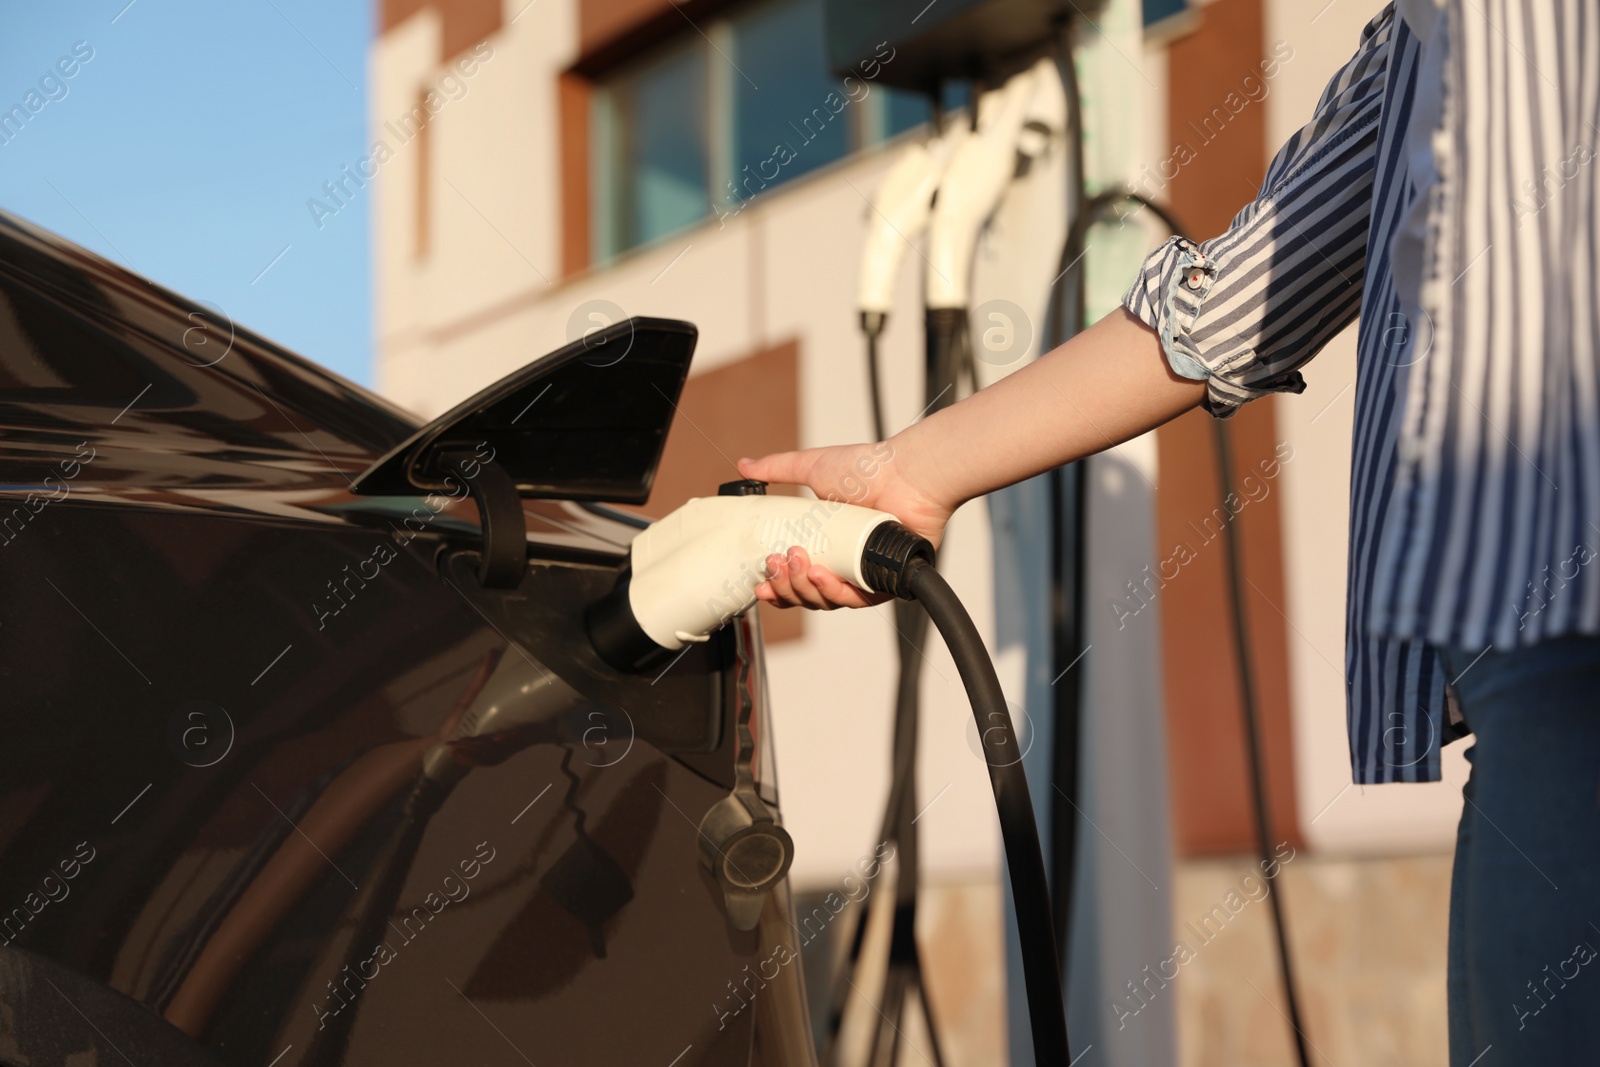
1041	81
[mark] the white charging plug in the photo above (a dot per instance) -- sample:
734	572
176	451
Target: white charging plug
900	209
699	567
971	188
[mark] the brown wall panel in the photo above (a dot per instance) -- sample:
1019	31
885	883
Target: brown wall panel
573	92
1225	161
1205	722
745	408
1206	733
422	203
466	22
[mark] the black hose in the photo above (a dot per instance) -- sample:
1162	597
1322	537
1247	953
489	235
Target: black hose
1077	188
948	354
1030	892
872	323
947	338
1069	501
1252	733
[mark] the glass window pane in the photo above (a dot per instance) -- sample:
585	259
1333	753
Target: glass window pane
904	110
956	95
1156	10
800	118
663	170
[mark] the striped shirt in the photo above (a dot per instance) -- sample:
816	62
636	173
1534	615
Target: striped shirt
1443	191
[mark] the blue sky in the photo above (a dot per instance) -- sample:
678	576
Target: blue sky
187	147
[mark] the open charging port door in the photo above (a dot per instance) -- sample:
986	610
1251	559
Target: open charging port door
586	422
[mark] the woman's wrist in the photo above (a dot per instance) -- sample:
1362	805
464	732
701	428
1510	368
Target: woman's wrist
917	463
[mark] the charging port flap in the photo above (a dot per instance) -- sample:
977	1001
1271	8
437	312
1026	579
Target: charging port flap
586	422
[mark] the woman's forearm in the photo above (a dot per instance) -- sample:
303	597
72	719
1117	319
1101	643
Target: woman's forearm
1107	385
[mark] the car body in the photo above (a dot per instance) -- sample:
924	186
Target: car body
227	662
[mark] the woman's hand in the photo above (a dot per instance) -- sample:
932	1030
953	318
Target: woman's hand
867	475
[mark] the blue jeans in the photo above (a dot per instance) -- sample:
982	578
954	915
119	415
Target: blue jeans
1524	963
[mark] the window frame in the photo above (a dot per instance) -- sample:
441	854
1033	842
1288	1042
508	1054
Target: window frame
607	224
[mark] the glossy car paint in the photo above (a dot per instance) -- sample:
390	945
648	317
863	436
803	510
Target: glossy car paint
222	672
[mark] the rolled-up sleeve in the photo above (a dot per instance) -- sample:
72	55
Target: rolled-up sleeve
1245	310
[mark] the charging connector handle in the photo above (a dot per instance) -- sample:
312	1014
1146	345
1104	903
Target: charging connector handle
699	567
1030	891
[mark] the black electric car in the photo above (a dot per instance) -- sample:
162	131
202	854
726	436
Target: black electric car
305	757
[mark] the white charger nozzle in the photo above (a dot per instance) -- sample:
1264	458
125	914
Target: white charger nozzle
973	184
900	209
698	567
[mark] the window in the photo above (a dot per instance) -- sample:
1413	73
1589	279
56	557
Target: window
1158	12
701	126
781	44
660	142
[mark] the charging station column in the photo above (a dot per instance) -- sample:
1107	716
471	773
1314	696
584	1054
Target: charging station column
1121	897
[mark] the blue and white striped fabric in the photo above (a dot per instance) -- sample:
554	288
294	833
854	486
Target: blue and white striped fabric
1475	488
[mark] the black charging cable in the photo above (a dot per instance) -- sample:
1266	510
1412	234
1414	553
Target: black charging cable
1030	890
949	361
898	561
1252	733
1068	499
872	324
